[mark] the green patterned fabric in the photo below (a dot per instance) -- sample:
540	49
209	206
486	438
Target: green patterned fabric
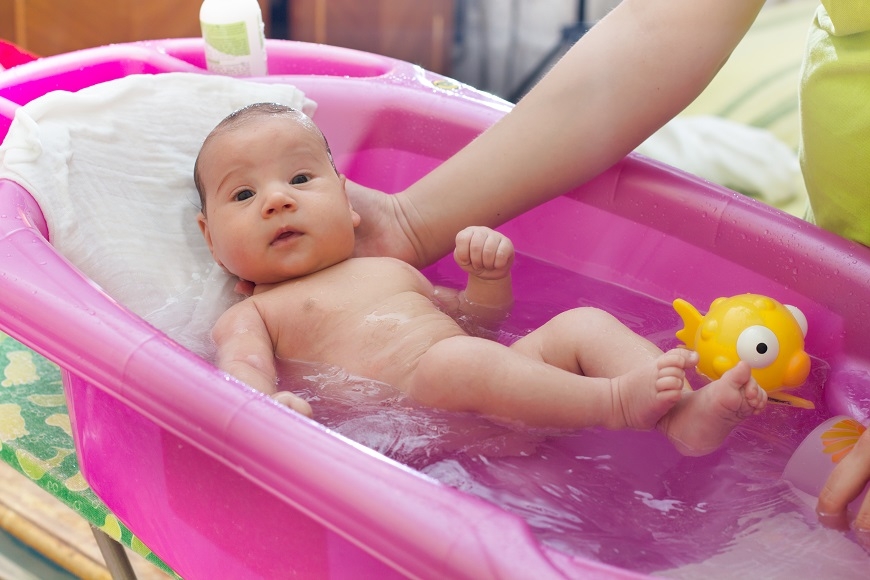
36	440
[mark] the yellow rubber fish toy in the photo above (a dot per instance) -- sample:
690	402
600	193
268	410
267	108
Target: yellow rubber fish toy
752	328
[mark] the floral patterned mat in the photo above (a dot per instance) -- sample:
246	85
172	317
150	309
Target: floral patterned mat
36	440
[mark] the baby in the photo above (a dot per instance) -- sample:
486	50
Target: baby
275	214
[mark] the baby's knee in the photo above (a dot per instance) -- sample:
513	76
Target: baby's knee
585	317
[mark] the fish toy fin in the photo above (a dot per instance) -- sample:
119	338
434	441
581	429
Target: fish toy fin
691	320
778	397
841	438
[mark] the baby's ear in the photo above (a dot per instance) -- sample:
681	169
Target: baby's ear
355	218
203	227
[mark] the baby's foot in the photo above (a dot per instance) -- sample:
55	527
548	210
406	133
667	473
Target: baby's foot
641	397
701	421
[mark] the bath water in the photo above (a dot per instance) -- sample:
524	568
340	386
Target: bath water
624	498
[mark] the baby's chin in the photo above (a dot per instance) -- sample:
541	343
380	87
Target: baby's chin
245	284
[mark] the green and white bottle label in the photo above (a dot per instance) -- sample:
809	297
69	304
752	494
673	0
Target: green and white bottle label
228	49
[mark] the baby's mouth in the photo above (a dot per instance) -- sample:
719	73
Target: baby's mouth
285	235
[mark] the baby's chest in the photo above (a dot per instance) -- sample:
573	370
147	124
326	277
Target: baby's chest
334	326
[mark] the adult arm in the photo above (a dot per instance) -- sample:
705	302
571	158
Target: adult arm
631	73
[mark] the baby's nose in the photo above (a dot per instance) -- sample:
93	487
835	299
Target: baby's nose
278	200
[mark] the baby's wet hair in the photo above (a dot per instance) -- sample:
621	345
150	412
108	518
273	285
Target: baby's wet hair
247	113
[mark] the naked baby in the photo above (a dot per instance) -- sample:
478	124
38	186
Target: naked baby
275	213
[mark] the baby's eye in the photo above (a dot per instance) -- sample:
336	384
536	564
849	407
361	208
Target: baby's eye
299	179
243	195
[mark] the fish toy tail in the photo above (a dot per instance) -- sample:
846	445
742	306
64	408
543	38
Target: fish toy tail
691	320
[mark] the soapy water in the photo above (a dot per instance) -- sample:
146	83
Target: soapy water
624	498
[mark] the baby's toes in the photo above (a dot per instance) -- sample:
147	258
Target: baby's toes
670	382
680	358
756	396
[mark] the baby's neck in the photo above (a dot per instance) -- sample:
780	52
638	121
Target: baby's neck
260	288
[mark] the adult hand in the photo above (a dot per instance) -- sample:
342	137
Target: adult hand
385	228
844	484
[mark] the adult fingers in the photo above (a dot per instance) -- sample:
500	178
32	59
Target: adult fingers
845	483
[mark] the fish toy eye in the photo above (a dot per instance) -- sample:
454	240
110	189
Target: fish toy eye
799	317
758	346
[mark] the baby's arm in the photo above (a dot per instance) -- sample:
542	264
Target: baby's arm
244	350
487	256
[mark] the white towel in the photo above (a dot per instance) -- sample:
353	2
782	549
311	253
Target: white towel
747	159
111	166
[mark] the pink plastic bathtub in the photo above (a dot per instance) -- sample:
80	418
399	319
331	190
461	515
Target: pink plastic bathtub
221	483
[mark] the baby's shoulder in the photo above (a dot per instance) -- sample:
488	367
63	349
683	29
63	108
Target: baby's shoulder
240	316
384	263
392	273
245	308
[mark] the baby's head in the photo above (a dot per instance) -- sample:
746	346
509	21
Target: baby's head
273	205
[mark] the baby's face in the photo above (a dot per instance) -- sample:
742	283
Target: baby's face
275	209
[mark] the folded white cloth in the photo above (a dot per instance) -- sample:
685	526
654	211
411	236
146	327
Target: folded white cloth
111	166
747	159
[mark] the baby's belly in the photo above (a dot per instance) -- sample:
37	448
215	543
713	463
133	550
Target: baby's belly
387	343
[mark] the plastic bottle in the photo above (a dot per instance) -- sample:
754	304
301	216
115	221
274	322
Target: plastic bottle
234	35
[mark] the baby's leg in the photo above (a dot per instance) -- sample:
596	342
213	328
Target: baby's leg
465	373
592	342
589	341
701	421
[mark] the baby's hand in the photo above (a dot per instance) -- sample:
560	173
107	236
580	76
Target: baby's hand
484	253
293	401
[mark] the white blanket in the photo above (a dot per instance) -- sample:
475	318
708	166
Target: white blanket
746	159
111	166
